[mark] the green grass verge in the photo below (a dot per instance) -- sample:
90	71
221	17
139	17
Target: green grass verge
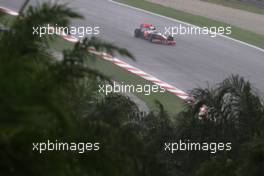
5	19
236	4
172	104
237	33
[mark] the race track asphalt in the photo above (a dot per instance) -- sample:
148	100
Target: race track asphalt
195	60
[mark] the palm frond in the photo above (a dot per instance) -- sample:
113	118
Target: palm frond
109	48
50	13
20	39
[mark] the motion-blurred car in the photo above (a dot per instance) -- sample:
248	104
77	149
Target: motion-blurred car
149	32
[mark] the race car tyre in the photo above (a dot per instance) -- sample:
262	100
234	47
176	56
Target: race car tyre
137	33
150	39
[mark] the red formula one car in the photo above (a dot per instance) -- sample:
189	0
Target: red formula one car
149	32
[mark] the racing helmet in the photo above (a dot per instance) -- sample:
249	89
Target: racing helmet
153	28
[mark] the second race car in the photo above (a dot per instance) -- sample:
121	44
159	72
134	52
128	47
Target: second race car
149	32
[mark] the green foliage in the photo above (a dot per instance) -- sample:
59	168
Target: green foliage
235	114
43	99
